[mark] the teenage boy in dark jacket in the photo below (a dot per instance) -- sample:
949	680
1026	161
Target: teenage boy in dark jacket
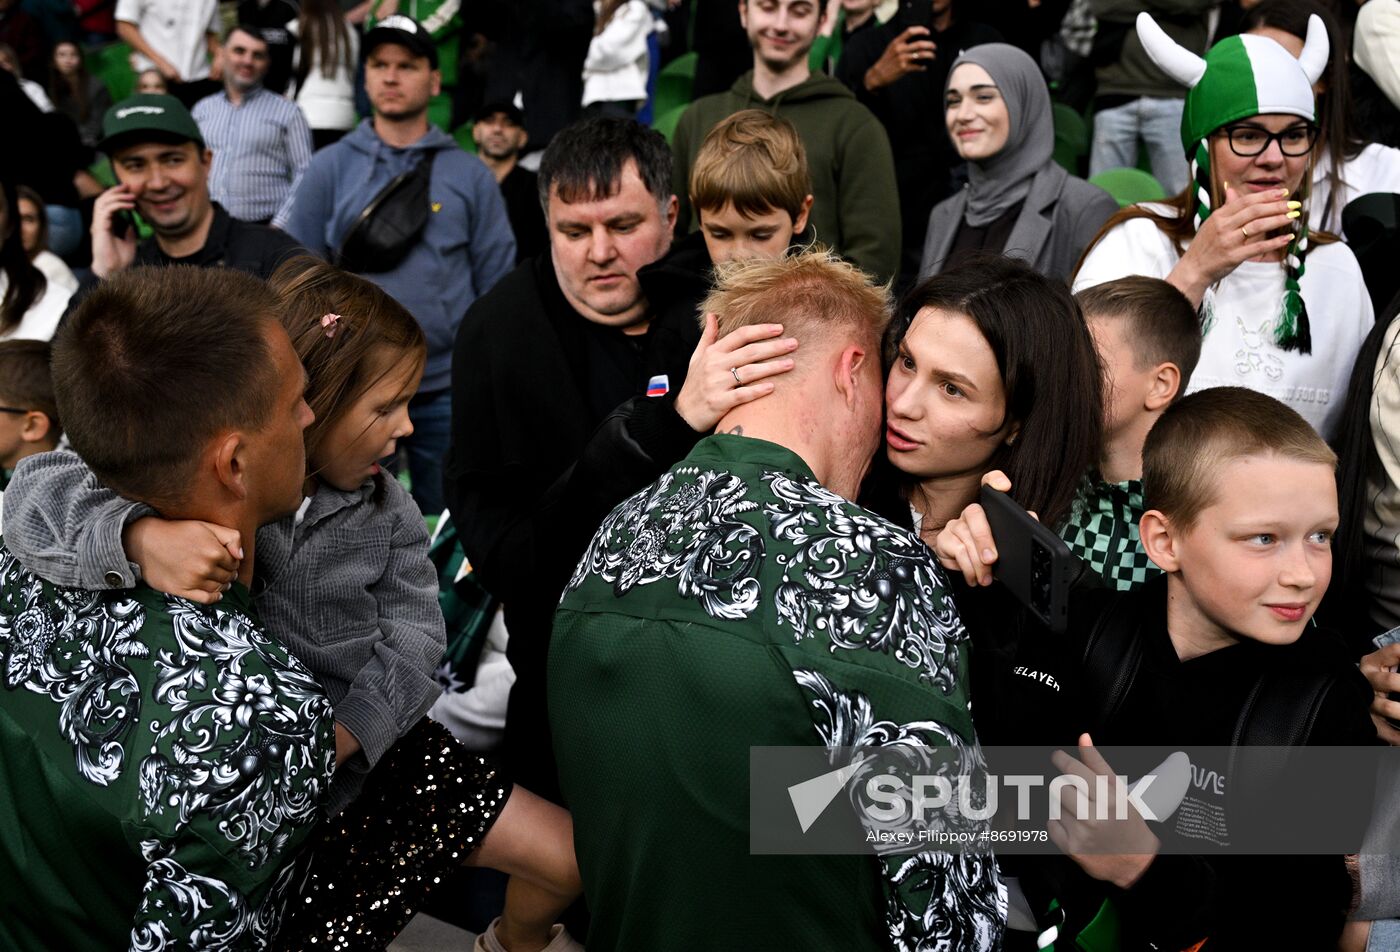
1242	505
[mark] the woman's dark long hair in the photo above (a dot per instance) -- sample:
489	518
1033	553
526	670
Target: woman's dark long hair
1049	371
1335	118
325	39
1346	605
26	282
71	88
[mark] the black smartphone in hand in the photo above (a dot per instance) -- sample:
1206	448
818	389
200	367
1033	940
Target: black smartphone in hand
122	223
1032	562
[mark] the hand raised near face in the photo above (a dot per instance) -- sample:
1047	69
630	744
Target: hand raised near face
729	371
907	53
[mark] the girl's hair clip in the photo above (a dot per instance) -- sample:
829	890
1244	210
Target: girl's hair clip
330	324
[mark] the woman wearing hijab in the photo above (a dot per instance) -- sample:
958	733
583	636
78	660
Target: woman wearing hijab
1017	201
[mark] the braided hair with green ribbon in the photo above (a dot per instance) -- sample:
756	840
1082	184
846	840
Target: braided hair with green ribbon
1241	77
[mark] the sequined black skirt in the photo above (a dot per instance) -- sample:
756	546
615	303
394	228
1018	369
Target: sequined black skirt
427	804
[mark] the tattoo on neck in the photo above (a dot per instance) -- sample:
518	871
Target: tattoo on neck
737	431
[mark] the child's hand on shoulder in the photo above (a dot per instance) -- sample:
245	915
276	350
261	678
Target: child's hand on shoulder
185	558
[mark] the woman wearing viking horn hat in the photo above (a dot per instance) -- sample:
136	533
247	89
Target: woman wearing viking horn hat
1283	311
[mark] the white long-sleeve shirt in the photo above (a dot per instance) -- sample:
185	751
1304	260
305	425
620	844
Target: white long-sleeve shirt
616	67
1238	348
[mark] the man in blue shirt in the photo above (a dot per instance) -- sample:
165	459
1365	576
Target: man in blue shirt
261	141
464	249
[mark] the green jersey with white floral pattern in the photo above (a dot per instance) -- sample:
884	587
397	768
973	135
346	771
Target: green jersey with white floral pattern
161	765
1103	530
734	603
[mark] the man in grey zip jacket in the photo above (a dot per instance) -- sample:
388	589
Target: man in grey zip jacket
466	247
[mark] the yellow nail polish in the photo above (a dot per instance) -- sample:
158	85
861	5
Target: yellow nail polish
1295	205
1294	214
1283	193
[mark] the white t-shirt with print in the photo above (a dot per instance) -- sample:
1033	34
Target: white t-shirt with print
1238	350
176	29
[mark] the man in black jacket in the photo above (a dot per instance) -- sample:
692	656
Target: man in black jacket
600	330
162	165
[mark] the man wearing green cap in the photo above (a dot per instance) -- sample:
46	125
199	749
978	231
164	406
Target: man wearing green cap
162	165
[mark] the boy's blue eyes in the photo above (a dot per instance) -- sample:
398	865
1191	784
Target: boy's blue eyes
1320	537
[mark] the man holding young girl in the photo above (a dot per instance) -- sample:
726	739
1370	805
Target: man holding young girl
183	751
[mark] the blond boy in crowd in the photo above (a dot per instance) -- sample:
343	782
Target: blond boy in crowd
750	187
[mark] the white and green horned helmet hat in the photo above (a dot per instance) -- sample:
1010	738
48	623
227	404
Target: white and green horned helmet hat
1240	77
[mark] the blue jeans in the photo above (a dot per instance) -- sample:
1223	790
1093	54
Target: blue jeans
1385	936
1157	122
431	414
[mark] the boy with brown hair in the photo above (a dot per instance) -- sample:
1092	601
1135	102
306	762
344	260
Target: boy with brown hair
1218	652
29	421
750	187
1148	339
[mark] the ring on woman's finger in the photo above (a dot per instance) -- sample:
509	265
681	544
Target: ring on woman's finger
1245	231
734	372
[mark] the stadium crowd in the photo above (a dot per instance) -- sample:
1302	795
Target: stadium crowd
442	441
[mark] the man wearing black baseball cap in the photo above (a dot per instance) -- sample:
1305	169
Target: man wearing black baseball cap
463	249
403	31
498	129
162	167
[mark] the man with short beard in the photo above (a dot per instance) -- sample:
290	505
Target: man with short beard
261	141
500	137
463	250
856	209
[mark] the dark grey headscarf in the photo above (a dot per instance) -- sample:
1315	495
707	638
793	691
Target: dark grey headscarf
998	183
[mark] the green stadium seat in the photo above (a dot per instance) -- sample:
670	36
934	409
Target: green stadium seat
674	85
112	65
683	65
463	135
440	112
1129	186
666	122
1071	138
